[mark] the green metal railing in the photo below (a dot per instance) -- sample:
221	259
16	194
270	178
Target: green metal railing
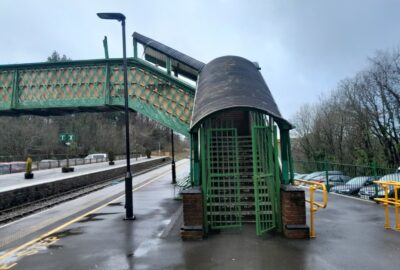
223	187
95	85
266	173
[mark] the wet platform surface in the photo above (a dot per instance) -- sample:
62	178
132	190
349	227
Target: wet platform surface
16	180
350	235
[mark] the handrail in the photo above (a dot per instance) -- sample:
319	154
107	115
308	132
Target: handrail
314	206
390	201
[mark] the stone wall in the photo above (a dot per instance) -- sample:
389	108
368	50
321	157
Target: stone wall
29	194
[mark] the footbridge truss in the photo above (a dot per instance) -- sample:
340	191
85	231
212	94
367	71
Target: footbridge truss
97	85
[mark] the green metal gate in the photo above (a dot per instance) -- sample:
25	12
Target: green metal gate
223	188
263	177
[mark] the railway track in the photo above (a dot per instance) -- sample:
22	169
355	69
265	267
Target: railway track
17	212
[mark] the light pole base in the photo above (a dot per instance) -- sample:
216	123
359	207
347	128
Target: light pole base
130	218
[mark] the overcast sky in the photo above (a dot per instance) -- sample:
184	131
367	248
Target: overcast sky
303	47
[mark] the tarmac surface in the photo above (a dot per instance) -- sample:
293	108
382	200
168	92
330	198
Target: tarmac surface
17	180
350	235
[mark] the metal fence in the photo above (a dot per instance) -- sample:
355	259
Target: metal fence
19	166
347	179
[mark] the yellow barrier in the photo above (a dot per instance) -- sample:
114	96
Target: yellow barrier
390	201
314	206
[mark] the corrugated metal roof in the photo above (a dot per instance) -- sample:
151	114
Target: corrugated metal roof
232	82
159	51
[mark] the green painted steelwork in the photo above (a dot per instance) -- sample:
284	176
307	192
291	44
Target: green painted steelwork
105	45
285	149
277	177
263	175
93	85
223	187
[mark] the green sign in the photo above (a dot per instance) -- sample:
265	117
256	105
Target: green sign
65	137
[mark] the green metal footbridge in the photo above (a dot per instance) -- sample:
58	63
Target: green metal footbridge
240	146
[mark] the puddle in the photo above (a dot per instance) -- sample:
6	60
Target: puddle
146	246
42	246
66	233
94	217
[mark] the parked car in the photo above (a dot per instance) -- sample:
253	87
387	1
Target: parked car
335	178
353	186
97	156
299	176
312	175
369	192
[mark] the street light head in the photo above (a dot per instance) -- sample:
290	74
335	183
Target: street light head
112	16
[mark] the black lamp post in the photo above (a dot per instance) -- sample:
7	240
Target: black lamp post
128	177
173	158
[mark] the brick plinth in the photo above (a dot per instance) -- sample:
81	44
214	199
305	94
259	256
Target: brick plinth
294	212
192	214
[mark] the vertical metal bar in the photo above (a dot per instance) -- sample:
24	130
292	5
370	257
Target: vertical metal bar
277	181
135	48
107	88
387	223
204	181
168	63
173	158
15	92
284	156
375	178
396	206
105	45
128	177
326	175
312	232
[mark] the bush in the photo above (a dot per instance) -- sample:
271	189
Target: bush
148	153
28	169
111	158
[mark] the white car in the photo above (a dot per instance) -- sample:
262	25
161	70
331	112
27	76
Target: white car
96	156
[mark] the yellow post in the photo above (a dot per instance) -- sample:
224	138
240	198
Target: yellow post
312	233
396	206
387	224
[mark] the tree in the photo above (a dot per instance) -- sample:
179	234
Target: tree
55	57
359	122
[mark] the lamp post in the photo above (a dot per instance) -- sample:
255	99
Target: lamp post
128	177
173	158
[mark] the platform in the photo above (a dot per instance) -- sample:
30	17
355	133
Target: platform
350	235
17	180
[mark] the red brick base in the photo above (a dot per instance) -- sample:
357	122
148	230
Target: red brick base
192	214
294	212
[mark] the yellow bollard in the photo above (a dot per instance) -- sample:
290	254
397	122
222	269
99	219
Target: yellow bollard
314	206
312	232
387	223
396	207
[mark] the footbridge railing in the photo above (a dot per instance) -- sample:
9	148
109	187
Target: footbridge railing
95	85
